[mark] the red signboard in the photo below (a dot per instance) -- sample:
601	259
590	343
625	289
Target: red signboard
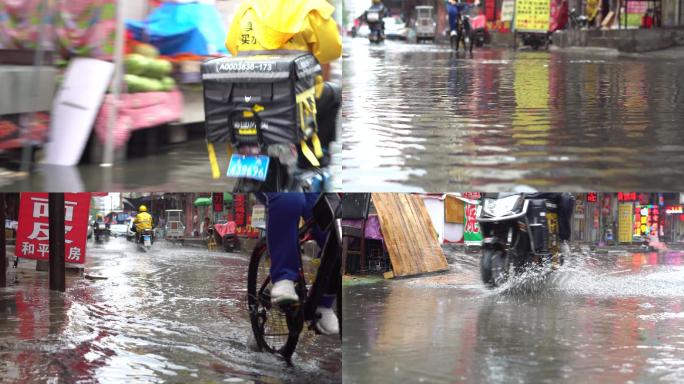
243	220
627	196
217	201
239	204
33	240
472	195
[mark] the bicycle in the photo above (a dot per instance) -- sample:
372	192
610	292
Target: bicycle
277	328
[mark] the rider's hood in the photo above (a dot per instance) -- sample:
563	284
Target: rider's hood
280	20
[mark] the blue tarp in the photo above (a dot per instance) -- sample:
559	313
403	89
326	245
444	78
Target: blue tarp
177	28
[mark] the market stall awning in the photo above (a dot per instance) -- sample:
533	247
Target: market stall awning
202	202
182	28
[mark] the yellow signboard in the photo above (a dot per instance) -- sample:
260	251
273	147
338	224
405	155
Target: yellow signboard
532	15
625	222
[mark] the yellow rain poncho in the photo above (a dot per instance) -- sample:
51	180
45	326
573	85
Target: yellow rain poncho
297	25
143	220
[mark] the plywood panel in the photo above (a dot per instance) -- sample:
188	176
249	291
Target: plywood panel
454	210
410	238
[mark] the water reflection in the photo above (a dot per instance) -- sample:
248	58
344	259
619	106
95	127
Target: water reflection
604	318
421	117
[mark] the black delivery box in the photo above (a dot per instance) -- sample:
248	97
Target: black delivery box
260	99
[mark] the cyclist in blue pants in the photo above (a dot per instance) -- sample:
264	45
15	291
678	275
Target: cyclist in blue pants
283	211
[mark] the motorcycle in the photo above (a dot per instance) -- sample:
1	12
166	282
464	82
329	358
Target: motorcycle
478	31
535	39
578	21
374	21
100	232
145	240
462	34
520	233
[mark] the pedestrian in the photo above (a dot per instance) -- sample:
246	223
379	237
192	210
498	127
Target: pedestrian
205	226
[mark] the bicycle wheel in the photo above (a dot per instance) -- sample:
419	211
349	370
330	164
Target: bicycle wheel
269	321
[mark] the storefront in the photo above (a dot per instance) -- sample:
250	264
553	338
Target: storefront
674	223
587	217
647	223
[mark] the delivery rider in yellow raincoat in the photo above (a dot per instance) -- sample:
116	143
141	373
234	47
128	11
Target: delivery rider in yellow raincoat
270	26
142	221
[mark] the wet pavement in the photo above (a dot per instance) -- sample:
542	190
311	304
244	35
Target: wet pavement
420	117
171	315
609	317
181	167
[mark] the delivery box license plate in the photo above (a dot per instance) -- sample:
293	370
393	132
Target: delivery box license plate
251	167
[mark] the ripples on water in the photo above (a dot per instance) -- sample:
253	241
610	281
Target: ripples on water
171	315
601	318
422	118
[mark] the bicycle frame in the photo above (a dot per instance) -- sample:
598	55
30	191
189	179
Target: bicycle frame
330	264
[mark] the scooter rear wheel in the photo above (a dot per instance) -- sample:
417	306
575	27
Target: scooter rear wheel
494	267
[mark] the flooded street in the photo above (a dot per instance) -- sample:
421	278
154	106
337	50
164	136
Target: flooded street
610	317
422	118
174	314
181	167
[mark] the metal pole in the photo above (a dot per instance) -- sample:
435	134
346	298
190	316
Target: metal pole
3	253
108	157
27	150
57	264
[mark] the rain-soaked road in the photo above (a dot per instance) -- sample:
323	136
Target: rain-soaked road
181	167
603	318
419	117
172	315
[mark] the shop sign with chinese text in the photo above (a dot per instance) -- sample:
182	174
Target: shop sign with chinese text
33	239
471	232
532	15
625	222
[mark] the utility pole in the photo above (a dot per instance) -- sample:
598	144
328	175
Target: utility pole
3	253
56	220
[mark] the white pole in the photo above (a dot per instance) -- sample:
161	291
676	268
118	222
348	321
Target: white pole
108	157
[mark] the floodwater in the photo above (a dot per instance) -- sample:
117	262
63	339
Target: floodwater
613	317
422	118
181	167
171	315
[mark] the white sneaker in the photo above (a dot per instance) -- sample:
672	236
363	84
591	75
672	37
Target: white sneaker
565	250
328	323
283	292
